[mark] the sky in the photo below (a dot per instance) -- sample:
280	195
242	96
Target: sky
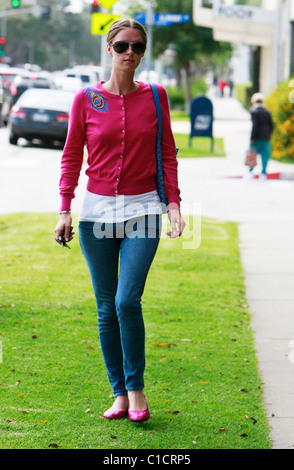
77	5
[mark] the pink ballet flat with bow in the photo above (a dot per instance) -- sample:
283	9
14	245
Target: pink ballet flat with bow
139	415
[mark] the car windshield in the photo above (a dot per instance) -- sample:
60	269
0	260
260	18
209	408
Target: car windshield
85	78
46	99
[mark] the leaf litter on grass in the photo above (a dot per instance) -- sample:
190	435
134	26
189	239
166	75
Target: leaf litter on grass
200	349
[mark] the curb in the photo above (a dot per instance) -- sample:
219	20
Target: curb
270	176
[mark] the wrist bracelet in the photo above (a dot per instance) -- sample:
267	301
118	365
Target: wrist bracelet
65	212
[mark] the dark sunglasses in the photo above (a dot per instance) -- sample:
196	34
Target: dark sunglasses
122	46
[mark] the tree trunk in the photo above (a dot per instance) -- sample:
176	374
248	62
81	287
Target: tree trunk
187	88
178	77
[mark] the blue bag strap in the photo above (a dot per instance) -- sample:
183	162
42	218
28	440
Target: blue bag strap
159	176
158	109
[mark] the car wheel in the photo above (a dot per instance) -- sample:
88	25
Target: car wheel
13	139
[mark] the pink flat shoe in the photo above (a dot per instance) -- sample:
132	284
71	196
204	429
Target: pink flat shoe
115	414
139	415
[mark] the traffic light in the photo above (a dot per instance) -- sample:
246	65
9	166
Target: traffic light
2	44
15	3
95	7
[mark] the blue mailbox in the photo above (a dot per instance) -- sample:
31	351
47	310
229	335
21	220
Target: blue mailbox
201	118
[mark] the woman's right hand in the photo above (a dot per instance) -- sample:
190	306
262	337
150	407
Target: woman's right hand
63	228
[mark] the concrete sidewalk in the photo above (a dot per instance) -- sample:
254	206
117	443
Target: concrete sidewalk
264	212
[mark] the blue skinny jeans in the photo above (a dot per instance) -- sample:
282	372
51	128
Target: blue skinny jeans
119	257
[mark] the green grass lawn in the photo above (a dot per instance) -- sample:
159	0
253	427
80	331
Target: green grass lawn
202	382
200	147
177	115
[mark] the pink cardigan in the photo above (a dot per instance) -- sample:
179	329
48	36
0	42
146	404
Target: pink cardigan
120	134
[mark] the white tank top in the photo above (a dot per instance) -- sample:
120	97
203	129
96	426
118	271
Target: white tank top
111	209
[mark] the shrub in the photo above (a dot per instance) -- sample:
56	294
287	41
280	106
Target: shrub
198	87
282	109
177	95
244	92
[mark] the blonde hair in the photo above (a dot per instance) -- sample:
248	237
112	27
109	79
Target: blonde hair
123	23
257	98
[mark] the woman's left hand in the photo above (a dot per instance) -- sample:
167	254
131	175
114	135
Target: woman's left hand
177	223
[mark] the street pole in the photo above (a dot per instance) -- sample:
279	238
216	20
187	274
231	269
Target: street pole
105	57
3	24
149	23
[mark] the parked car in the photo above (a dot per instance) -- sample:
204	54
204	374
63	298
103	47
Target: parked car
67	83
88	77
23	81
40	114
153	76
30	67
7	74
5	107
97	69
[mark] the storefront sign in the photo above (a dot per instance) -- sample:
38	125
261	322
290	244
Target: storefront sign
243	12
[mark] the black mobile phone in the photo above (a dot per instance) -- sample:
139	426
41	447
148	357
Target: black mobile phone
62	239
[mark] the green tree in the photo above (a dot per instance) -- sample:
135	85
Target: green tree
49	42
194	46
195	49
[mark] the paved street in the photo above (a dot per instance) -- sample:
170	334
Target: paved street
29	177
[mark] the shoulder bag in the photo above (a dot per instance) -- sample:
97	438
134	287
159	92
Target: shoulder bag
159	175
250	158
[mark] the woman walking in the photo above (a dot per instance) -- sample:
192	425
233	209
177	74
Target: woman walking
262	128
120	219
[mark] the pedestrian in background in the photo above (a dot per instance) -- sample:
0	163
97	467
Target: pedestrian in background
120	219
231	87
262	128
221	86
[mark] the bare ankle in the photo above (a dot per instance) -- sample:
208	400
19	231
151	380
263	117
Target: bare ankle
121	402
136	399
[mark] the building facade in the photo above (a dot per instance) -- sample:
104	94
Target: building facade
268	30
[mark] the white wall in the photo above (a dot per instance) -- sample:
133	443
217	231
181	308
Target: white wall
241	63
